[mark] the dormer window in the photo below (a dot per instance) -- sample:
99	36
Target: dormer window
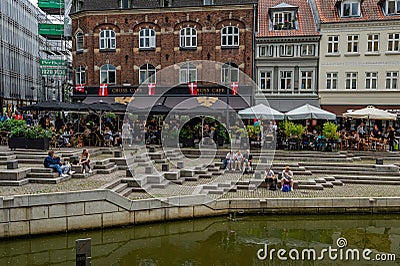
283	17
392	7
284	21
350	9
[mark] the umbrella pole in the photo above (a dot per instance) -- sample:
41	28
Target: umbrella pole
202	129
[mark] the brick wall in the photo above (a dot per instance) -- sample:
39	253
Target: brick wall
166	23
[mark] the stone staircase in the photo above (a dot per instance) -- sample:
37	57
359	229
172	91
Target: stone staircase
105	167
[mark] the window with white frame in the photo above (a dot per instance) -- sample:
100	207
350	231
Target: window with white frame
230	36
147	73
80	75
265	80
229	73
107	74
165	3
394	42
147	39
333	44
331	80
392	7
188	37
78	5
286	50
107	39
352	43
125	3
306	80
208	2
307	49
286	80
373	43
351	80
371	80
392	78
79	41
283	21
350	8
187	73
265	50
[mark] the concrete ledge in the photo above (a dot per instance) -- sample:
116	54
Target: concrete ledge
60	212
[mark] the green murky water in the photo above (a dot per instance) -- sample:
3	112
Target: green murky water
219	241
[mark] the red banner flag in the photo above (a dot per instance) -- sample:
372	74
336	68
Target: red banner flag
193	88
80	87
152	88
103	91
234	87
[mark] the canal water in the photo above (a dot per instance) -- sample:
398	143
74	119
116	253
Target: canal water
223	241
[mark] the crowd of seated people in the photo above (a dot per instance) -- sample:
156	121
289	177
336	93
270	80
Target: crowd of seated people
236	161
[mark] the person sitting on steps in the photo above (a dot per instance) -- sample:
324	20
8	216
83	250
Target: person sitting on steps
53	161
270	178
287	178
84	160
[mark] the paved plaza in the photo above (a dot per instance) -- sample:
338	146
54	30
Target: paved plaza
317	174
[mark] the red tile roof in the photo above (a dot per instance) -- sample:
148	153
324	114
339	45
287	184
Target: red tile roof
370	10
305	19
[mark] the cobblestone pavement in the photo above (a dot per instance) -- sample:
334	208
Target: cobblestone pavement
97	181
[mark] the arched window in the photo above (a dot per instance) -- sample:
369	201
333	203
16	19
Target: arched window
79	41
107	74
80	75
187	73
147	39
188	38
230	36
229	73
147	73
107	39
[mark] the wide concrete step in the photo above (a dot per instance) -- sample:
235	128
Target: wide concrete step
42	170
120	187
104	166
49	180
352	168
365	177
43	175
161	185
14	182
107	171
309	187
369	182
126	192
353	172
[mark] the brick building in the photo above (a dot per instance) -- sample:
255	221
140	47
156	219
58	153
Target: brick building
125	43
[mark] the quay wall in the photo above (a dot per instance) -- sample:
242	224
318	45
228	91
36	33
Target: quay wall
95	209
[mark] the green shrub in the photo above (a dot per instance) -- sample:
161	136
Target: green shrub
330	131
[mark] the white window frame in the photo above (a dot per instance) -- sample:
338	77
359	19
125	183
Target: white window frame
108	70
187	73
394	42
353	43
286	50
396	7
351	80
265	75
208	2
147	39
351	8
229	73
331	80
188	37
80	75
122	2
107	40
80	41
279	19
372	41
371	80
147	74
283	77
392	80
265	51
308	78
333	42
230	36
307	49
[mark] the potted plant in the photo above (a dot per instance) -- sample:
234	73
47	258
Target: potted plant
186	137
330	131
222	135
25	137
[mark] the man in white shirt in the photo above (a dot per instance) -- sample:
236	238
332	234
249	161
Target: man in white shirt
287	177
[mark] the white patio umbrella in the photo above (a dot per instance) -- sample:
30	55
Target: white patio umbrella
308	111
371	113
261	111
